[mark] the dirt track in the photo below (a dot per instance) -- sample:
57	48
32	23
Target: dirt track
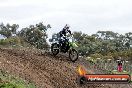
43	69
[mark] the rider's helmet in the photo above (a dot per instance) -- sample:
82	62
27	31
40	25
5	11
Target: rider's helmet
67	26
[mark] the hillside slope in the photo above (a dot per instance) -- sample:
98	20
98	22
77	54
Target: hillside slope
43	69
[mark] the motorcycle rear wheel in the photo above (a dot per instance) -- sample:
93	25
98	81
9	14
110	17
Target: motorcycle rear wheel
55	49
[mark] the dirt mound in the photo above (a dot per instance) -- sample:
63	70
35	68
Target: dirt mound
43	69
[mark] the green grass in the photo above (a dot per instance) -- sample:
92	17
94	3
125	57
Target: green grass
9	81
123	72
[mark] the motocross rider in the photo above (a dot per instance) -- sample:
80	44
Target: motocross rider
63	34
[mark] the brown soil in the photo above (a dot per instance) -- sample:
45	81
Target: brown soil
45	70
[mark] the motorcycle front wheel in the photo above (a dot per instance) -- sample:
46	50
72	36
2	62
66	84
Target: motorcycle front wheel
73	55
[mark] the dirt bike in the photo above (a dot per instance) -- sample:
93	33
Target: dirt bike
69	48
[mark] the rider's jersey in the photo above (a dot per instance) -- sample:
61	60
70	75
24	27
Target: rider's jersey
64	32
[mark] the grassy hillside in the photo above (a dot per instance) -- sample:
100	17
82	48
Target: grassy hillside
9	81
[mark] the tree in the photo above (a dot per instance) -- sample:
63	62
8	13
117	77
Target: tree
8	30
35	35
128	39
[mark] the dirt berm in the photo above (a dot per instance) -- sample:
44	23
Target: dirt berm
43	69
